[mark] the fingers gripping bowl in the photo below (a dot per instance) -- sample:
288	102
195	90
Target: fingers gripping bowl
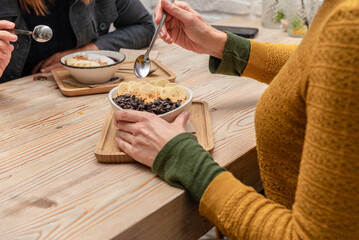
91	67
166	100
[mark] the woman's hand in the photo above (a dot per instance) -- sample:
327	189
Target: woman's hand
142	135
53	61
5	47
187	28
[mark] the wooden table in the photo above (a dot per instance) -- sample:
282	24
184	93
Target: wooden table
52	187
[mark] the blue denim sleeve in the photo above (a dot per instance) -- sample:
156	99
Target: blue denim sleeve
134	27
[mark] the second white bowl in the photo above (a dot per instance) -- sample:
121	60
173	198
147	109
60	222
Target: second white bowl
93	75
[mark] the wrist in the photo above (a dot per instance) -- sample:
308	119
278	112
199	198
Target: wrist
183	163
218	43
235	56
90	46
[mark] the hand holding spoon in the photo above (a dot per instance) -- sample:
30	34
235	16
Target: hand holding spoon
41	33
142	64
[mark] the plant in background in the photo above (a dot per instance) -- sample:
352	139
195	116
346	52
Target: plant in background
297	26
296	23
279	16
272	13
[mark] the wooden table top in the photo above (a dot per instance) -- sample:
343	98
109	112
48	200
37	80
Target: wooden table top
52	186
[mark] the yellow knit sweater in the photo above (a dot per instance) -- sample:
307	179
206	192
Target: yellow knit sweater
307	126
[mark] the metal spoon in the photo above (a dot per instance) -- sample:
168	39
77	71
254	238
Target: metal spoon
142	64
41	33
129	69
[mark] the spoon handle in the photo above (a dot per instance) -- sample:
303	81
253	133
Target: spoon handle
19	31
131	69
164	15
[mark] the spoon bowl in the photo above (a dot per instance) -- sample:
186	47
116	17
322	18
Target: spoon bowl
142	66
41	33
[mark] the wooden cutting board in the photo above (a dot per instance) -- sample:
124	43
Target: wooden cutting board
106	150
61	75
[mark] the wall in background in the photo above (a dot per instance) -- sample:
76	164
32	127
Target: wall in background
214	10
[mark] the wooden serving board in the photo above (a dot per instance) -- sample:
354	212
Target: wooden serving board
106	150
61	74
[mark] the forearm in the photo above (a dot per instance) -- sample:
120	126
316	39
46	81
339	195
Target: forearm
133	37
89	47
217	43
183	163
241	213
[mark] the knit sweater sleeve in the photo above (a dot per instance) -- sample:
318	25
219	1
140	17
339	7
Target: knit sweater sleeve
266	59
326	201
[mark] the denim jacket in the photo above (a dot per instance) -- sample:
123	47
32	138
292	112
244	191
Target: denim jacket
90	23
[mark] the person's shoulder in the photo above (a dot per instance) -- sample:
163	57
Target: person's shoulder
342	24
346	12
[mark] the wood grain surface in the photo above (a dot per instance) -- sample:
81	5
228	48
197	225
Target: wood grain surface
52	186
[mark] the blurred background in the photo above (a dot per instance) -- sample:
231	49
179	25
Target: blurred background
295	16
214	10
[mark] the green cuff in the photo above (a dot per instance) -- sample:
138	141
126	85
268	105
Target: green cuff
183	163
235	56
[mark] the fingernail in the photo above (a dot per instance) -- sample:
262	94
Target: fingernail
11	25
11	47
42	70
13	37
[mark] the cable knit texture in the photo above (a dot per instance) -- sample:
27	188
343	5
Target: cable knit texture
275	56
307	126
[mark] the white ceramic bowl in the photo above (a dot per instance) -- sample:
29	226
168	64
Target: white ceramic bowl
93	75
169	116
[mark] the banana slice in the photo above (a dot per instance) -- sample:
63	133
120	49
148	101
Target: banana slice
135	88
147	89
123	88
153	82
171	84
132	82
143	82
176	93
162	82
157	90
164	93
81	63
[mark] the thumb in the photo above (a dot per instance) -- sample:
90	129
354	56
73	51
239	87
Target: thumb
176	10
182	119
